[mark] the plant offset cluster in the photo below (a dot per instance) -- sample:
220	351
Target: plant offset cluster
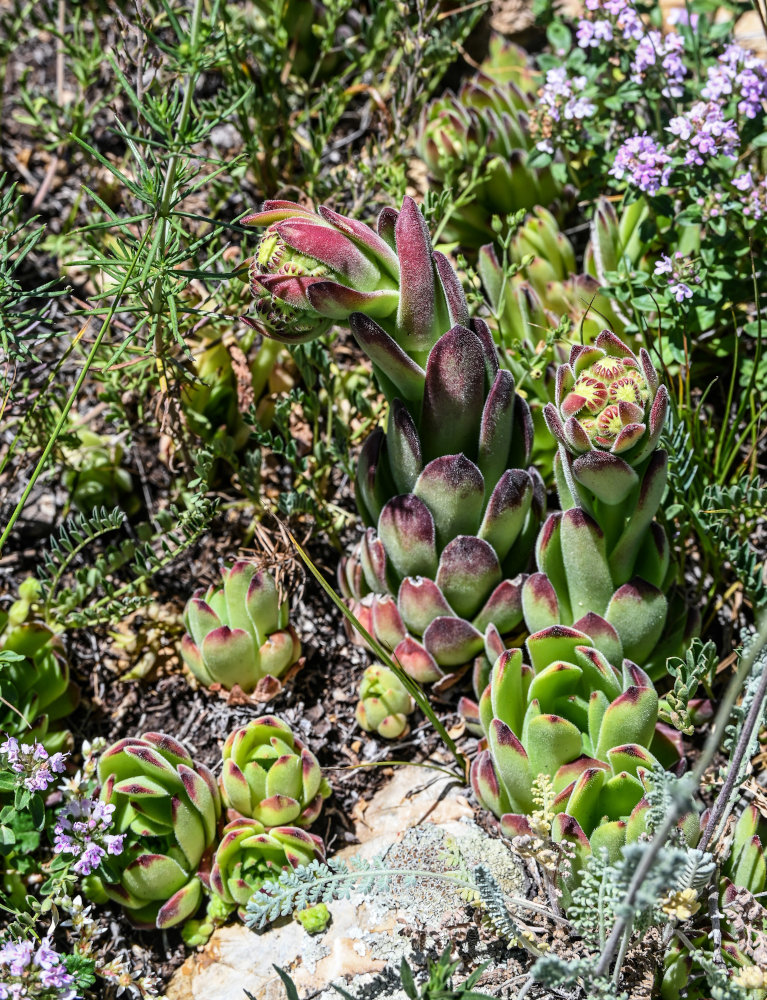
166	811
238	633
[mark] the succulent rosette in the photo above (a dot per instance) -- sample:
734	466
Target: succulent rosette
168	808
312	269
270	776
250	855
590	728
481	136
238	633
455	510
37	684
384	703
604	558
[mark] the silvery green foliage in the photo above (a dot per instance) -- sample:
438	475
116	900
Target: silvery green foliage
495	910
595	899
295	889
552	971
665	793
697	665
668	863
740	711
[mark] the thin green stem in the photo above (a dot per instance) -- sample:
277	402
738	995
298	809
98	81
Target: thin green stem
72	397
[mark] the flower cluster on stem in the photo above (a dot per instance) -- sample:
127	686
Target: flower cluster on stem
30	970
35	767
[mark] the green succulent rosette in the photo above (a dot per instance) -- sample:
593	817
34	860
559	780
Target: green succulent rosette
250	855
270	776
35	683
384	703
168	809
588	728
238	633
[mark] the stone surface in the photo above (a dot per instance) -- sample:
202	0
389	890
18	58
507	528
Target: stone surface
415	821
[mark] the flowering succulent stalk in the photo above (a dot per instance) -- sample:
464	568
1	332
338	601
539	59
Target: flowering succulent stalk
537	291
574	718
479	139
250	855
238	633
604	563
384	703
270	776
35	680
311	269
167	808
455	511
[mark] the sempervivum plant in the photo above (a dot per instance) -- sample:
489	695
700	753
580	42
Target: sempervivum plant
270	776
250	855
35	681
604	558
384	703
479	137
168	808
313	268
575	722
238	633
454	507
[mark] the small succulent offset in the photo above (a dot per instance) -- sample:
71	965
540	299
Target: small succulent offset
270	776
312	269
250	855
168	809
34	677
481	135
384	703
455	509
576	719
238	633
604	556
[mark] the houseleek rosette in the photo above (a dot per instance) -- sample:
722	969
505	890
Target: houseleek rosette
238	633
250	855
168	808
36	682
590	729
604	559
312	269
270	776
454	507
480	137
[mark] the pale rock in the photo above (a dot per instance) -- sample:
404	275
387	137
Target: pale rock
413	821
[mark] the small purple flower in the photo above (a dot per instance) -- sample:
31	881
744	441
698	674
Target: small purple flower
743	182
706	133
82	830
664	265
643	162
680	291
590	34
29	974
